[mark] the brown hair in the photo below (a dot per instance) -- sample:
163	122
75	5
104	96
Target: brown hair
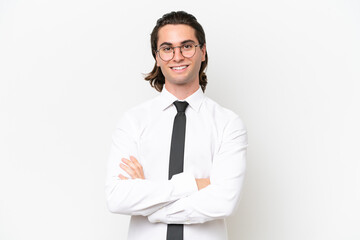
156	77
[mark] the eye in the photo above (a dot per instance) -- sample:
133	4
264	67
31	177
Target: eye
166	49
187	46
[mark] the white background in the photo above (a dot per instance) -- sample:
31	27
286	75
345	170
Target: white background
290	69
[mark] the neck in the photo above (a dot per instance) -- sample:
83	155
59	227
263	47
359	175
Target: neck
181	92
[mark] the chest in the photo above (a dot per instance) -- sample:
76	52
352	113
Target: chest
201	143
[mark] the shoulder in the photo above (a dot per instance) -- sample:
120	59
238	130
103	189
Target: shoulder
222	115
229	125
141	109
137	114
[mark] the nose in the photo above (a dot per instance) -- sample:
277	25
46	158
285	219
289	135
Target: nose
178	55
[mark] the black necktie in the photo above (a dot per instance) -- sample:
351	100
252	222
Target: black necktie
176	165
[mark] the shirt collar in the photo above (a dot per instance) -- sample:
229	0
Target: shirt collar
194	100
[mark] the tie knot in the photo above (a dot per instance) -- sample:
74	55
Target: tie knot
181	106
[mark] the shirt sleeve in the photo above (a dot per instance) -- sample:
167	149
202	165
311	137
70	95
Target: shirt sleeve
139	196
220	198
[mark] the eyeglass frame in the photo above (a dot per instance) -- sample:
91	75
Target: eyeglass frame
173	50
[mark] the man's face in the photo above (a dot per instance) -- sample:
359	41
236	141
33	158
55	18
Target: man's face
180	70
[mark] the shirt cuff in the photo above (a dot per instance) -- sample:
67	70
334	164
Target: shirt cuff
177	212
184	184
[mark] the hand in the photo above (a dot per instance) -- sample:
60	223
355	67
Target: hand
202	182
132	167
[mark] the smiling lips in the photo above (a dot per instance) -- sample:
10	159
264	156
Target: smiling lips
179	68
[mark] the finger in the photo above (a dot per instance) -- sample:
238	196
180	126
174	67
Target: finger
134	160
138	165
129	163
122	177
128	170
132	166
135	165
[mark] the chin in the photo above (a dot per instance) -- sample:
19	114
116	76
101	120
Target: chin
180	82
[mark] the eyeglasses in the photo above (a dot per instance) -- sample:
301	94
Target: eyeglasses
167	53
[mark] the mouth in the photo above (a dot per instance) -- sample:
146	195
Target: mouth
179	68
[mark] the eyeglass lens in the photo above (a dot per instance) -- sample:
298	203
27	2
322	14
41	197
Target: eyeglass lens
167	53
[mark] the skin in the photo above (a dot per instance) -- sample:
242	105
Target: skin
181	83
184	83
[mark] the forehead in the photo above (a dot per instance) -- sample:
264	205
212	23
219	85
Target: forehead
175	34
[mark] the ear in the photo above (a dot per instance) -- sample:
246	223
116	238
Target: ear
157	60
203	52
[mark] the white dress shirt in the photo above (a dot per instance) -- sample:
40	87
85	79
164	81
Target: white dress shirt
215	148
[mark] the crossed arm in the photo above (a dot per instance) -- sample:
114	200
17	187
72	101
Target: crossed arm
178	200
135	170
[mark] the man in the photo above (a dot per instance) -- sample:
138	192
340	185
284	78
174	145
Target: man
177	161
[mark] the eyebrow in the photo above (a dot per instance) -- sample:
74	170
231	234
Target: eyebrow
183	42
